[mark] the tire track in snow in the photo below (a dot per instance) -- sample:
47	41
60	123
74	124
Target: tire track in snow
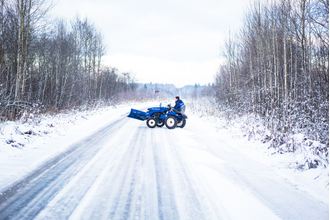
29	196
125	206
141	182
149	192
190	201
167	208
66	201
117	191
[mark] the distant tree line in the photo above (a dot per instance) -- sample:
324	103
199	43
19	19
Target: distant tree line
50	63
168	92
152	91
277	68
196	92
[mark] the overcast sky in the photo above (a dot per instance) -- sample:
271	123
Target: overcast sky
172	41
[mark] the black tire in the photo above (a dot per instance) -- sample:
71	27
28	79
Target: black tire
171	122
161	123
151	122
182	123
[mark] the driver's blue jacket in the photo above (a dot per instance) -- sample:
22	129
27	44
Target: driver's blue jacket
178	105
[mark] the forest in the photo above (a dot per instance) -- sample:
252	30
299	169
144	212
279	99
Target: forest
49	64
277	69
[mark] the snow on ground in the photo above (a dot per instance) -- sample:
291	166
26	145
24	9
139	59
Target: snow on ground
24	146
314	181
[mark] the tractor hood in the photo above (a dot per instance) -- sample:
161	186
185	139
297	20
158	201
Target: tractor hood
157	109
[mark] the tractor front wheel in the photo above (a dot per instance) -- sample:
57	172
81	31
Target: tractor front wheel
151	123
171	122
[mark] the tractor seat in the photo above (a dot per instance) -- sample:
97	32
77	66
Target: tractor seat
181	111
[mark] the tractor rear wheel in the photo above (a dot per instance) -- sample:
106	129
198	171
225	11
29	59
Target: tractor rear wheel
171	122
182	123
161	123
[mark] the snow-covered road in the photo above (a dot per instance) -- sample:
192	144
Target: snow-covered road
128	171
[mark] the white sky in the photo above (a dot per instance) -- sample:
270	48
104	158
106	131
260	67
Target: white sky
172	41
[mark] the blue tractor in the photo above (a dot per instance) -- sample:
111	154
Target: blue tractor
160	116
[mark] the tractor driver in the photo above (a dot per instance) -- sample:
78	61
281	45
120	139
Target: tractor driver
178	104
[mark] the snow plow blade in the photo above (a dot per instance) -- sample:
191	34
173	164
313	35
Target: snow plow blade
139	115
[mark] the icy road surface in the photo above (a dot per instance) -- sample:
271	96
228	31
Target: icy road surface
129	171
